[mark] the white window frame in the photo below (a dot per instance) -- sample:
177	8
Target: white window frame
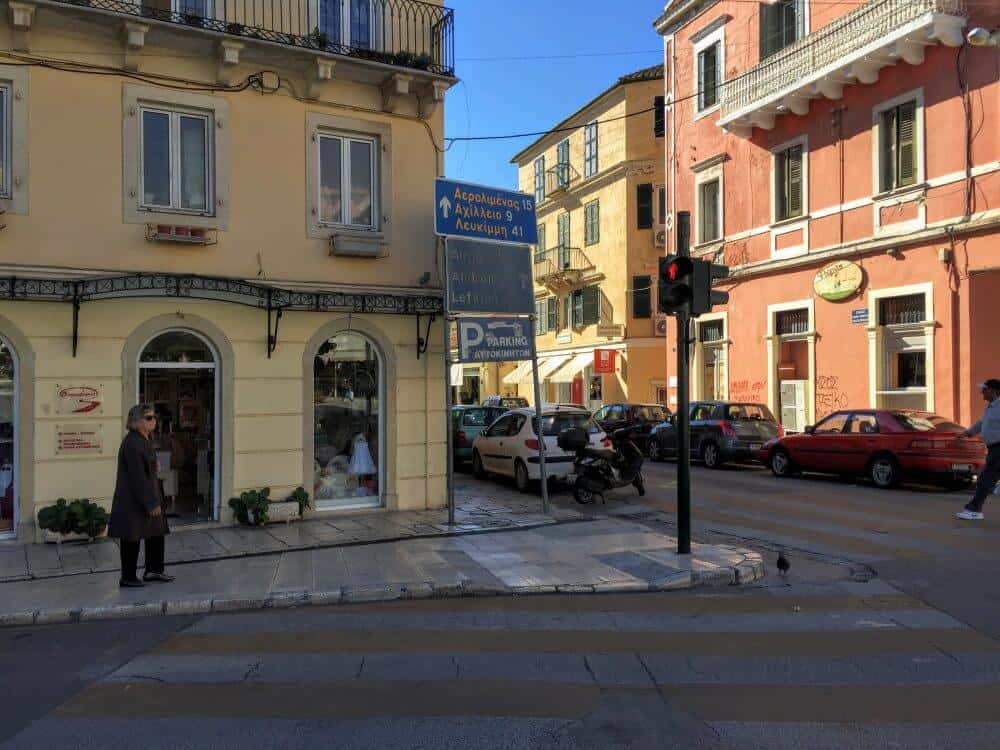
698	381
345	23
174	115
14	132
910	193
346	140
591	146
716	37
709	175
781	227
876	342
774	340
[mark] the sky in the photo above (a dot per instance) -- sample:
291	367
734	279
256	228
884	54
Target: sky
515	94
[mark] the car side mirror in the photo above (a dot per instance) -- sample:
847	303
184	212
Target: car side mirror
810	429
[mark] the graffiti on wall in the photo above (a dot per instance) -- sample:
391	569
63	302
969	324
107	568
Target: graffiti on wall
746	390
829	396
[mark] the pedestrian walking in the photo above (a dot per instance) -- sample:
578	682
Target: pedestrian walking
137	511
989	428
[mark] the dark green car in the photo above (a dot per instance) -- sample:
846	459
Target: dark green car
466	424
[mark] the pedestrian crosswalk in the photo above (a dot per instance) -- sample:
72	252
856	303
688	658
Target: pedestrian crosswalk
843	665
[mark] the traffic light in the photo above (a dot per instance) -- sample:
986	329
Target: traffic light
675	289
703	298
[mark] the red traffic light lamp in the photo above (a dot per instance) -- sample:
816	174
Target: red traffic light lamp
675	290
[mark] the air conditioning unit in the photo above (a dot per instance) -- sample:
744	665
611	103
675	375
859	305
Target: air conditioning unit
660	326
660	237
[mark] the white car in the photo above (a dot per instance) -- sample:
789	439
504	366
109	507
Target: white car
509	446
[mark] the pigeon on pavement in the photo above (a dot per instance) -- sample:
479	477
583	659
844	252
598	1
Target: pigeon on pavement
783	564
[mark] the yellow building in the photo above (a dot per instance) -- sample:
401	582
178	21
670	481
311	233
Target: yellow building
598	183
224	212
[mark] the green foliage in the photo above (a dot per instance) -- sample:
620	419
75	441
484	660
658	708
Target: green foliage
251	507
320	39
301	497
81	516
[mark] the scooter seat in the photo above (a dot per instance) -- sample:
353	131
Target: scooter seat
605	453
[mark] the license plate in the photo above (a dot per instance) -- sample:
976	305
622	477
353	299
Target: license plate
756	446
962	467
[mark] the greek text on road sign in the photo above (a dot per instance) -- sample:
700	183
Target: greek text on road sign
466	210
493	339
484	277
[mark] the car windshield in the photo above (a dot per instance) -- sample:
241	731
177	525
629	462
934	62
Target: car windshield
923	422
743	412
651	413
554	424
477	417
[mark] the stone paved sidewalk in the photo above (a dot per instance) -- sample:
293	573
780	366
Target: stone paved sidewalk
480	506
599	556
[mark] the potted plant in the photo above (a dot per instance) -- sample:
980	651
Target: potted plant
319	39
423	61
234	28
255	507
74	520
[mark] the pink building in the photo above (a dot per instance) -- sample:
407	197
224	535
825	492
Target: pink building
844	160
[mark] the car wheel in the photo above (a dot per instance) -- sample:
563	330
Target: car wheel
781	463
884	471
583	495
711	456
521	479
477	466
654	450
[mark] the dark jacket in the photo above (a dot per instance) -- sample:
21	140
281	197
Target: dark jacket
137	492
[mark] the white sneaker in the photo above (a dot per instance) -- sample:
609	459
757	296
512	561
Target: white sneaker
969	515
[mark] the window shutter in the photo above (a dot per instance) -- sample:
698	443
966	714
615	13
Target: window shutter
553	305
907	146
711	75
641	296
764	21
659	117
889	149
539	318
644	203
578	309
700	83
794	162
800	19
709	211
567	311
591	305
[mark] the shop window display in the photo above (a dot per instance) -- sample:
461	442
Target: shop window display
8	434
346	422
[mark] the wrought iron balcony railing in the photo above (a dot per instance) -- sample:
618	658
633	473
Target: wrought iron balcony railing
407	33
852	47
560	263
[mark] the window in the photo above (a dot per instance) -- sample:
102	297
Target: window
781	23
539	180
832	425
502	427
347	181
898	146
347	22
540	247
862	424
586	306
790	322
592	216
642	296
540	317
644	205
566	319
702	412
659	116
14	137
651	414
5	128
589	150
911	308
924	422
711	331
563	227
176	160
661	205
709	76
788	182
905	346
708	211
660	396
562	166
909	370
552	309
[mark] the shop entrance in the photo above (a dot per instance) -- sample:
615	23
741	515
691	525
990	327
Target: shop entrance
178	375
8	440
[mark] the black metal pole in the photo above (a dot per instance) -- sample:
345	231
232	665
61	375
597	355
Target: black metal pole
683	425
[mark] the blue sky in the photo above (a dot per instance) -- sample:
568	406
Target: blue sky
517	95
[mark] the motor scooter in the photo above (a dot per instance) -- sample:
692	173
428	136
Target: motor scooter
600	470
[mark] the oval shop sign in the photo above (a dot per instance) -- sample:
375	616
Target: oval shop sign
838	280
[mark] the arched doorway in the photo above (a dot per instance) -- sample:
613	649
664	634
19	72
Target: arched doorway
348	423
9	448
179	376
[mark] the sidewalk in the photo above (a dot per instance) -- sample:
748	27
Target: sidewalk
479	507
588	557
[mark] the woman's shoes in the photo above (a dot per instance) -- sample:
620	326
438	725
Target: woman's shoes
131	583
157	577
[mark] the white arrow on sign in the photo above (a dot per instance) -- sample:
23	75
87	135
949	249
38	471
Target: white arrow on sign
445	206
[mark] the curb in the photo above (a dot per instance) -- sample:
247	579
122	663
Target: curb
747	571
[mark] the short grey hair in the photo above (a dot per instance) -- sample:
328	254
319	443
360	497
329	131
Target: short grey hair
136	415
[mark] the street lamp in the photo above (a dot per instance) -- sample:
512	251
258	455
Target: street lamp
980	37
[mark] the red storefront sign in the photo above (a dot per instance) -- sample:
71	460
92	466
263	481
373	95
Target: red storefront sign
604	361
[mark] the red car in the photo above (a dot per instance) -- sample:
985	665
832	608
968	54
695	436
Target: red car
885	445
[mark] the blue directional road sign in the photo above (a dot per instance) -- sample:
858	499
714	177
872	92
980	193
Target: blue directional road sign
462	209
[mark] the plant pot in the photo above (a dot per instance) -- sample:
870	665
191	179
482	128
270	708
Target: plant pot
285	511
162	229
182	231
234	28
198	233
53	537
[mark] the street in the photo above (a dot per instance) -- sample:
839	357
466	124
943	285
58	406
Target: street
883	634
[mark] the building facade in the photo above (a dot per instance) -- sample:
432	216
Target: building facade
598	184
845	164
222	211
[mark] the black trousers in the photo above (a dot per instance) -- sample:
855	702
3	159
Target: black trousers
988	479
130	556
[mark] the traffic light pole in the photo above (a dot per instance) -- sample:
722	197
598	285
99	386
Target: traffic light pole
682	424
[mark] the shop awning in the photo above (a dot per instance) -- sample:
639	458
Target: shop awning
520	374
549	365
457	374
569	371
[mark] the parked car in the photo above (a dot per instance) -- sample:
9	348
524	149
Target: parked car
640	419
506	402
467	422
509	447
884	445
721	431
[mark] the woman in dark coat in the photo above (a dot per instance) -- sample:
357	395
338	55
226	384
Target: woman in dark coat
137	510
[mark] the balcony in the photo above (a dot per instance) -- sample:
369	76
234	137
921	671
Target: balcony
849	50
561	266
559	179
402	33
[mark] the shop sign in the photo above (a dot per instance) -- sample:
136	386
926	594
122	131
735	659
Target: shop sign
610	330
79	438
860	317
494	339
604	361
838	280
80	399
489	278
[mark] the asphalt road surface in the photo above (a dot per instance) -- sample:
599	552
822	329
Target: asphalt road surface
883	635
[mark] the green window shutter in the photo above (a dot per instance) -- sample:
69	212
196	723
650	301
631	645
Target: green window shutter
539	318
591	305
708	64
578	308
708	211
659	117
644	204
765	27
593	223
906	147
540	247
642	296
795	186
567	311
700	83
888	149
553	311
